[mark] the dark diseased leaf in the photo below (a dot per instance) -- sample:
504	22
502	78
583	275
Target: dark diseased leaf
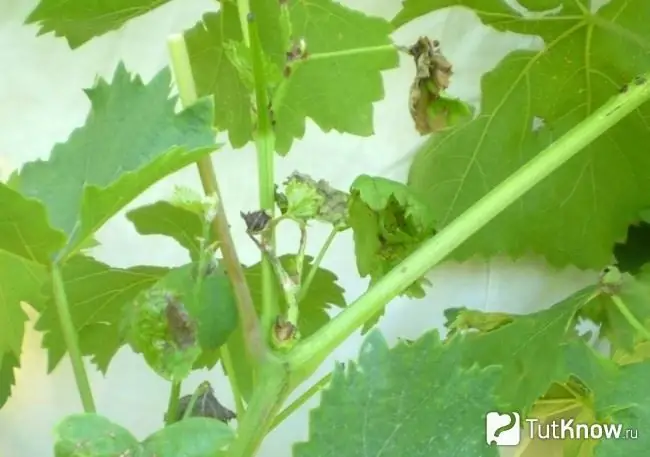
389	223
165	218
97	295
414	399
79	22
530	348
324	87
132	138
176	321
206	404
25	229
81	435
192	437
593	198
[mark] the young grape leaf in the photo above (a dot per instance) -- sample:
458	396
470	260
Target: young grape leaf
191	437
97	294
389	223
172	323
132	138
608	182
634	294
414	399
81	435
530	348
165	218
24	228
79	22
323	294
322	86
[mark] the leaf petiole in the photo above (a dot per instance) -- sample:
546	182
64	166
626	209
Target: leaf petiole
71	340
298	402
172	405
629	317
304	288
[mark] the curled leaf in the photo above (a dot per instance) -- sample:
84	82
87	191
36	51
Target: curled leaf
205	405
430	108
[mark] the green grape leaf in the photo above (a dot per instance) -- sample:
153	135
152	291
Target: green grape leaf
132	138
81	435
24	228
172	323
530	363
324	86
191	437
97	295
631	292
8	363
389	223
80	22
529	100
414	399
166	218
323	294
21	282
623	400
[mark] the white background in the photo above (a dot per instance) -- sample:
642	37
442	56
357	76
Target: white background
41	102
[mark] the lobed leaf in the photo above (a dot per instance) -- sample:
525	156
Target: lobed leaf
166	218
132	138
336	91
79	22
576	215
97	296
414	399
531	348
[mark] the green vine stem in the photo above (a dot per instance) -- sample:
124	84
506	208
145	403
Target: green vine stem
310	353
298	402
172	406
71	340
255	345
629	317
304	288
265	145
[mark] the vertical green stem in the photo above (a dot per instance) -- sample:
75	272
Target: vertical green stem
304	288
71	340
172	405
265	145
229	368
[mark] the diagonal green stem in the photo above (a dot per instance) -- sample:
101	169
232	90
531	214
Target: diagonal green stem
629	317
309	354
304	288
71	340
298	402
255	344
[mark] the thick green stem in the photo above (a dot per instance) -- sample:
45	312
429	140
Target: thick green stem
309	353
265	145
262	409
71	340
172	406
255	344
